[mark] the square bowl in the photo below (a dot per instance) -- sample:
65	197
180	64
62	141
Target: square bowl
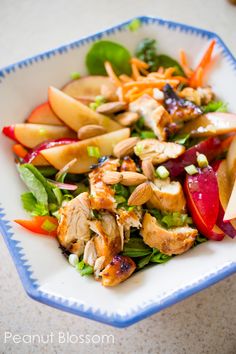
44	273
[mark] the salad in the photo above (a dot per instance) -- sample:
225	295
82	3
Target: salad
131	165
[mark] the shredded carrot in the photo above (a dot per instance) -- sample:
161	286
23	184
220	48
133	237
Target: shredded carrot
207	56
169	72
125	78
111	73
135	71
130	92
148	91
184	63
139	63
148	83
156	75
197	75
183	58
143	71
182	79
19	150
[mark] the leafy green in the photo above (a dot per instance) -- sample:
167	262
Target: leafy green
31	205
134	25
181	138
147	134
34	185
38	175
143	261
146	51
215	106
200	239
121	190
47	171
159	257
165	61
136	248
102	51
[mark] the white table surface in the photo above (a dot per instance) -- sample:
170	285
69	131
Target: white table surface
204	323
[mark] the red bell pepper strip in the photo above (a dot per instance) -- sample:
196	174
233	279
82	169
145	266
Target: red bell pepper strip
46	225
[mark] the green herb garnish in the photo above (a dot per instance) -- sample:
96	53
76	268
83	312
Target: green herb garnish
215	106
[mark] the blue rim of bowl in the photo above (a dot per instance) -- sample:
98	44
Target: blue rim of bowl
30	284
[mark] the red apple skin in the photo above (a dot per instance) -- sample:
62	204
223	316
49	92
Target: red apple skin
202	196
210	147
43	114
9	132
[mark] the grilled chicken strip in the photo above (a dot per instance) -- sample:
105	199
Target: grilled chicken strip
120	268
172	241
127	219
107	238
155	115
101	194
73	230
167	196
157	151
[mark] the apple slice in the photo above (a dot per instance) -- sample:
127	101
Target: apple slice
229	227
230	212
211	147
61	155
203	198
75	114
43	114
231	159
87	88
211	124
30	135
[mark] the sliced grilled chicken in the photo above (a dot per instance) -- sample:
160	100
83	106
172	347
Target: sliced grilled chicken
127	219
157	151
155	115
73	229
120	268
172	241
200	96
107	238
167	196
101	194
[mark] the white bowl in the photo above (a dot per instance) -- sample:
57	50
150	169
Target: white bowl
44	272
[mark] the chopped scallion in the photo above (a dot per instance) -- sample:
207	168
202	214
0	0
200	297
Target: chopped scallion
202	160
48	226
75	75
191	169
162	172
73	259
93	151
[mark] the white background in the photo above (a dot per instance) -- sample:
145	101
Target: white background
204	323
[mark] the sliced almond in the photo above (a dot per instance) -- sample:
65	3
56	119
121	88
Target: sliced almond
127	118
148	169
112	177
125	147
141	194
89	131
111	107
132	178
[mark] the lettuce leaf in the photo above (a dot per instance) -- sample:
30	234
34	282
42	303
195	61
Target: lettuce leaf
215	106
31	205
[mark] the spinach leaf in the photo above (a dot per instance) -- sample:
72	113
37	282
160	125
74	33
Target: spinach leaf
166	62
136	248
215	106
31	205
34	185
159	257
47	171
116	54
